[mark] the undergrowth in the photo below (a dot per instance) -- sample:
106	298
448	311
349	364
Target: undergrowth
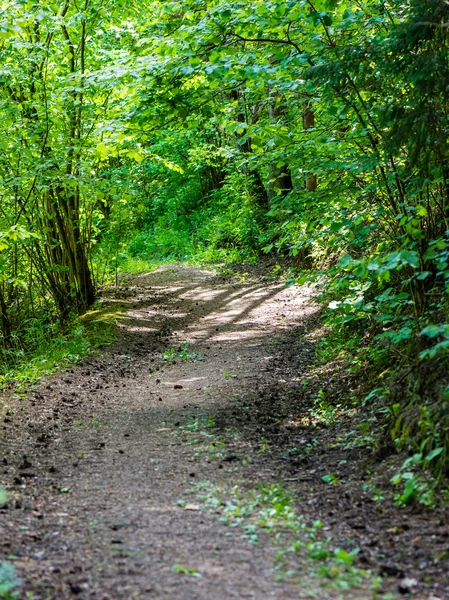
9	582
305	552
46	347
383	378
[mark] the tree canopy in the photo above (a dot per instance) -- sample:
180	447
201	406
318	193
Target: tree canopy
312	129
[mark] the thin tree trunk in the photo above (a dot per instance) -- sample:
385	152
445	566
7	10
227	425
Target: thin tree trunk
281	181
245	147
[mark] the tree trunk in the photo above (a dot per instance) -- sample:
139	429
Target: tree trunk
281	181
259	190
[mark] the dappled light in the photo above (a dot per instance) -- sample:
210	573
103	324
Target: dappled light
224	309
207	411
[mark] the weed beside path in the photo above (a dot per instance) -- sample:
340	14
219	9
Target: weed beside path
201	457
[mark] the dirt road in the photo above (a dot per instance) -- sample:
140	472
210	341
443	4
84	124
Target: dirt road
167	467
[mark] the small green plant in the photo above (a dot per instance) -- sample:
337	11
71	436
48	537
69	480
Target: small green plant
226	373
198	423
330	478
271	509
410	490
9	582
323	411
421	474
182	570
416	484
305	449
363	437
222	270
169	355
377	494
181	353
199	432
264	445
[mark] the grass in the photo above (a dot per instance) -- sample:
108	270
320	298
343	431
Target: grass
200	432
306	554
48	347
136	265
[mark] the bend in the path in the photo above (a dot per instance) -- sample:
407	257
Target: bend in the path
97	513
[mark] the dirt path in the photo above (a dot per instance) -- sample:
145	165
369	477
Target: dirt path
155	470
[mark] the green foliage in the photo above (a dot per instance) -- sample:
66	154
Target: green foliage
323	411
180	353
201	433
415	484
223	130
185	571
331	479
270	509
44	346
9	582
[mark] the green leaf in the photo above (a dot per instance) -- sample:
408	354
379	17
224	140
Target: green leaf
433	454
410	492
423	275
421	210
345	261
136	155
347	557
185	571
432	331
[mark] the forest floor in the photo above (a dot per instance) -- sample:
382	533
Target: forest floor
210	470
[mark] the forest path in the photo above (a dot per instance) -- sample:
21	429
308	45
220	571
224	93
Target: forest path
135	458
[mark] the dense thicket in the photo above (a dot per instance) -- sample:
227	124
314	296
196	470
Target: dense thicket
221	130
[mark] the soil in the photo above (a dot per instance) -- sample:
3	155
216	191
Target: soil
95	460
